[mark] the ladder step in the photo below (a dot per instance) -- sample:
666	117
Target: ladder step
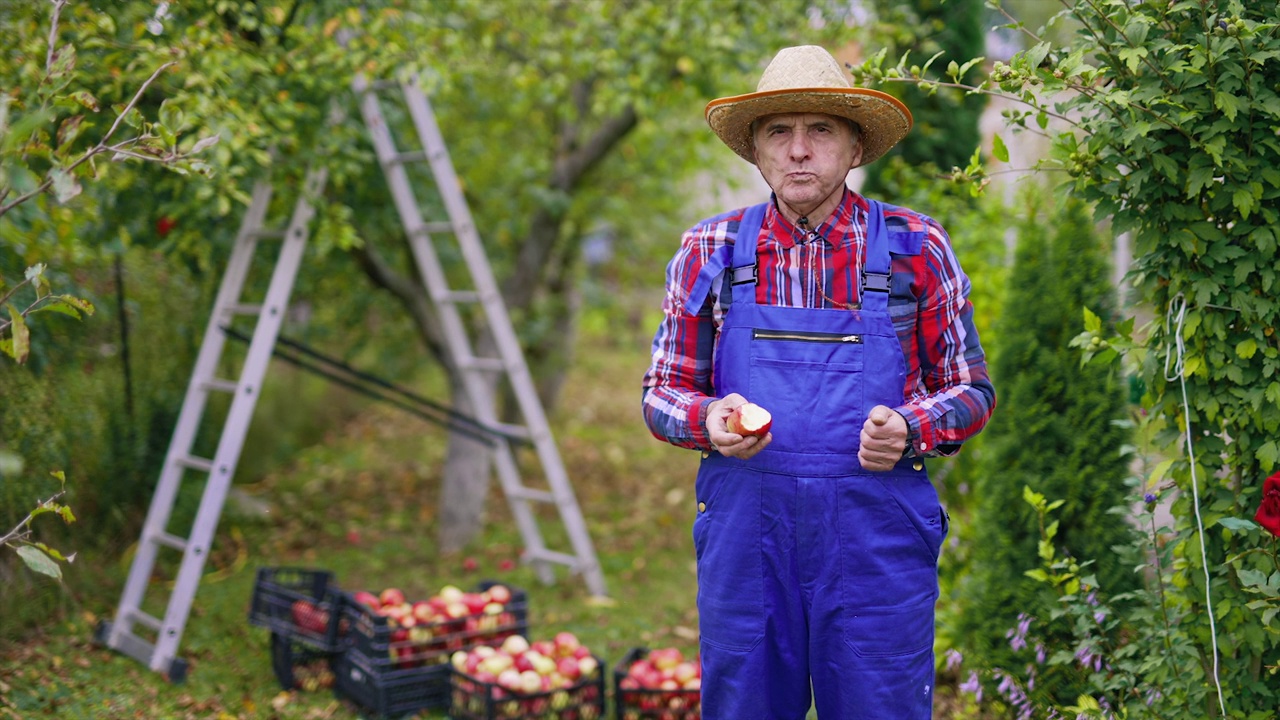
479	363
219	384
145	619
437	227
545	555
410	156
170	540
267	234
191	462
458	296
383	85
244	309
532	494
516	431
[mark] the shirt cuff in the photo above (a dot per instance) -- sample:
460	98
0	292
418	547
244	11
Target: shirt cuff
921	438
698	424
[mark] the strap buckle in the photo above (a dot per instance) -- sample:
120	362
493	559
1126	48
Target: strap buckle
876	282
739	274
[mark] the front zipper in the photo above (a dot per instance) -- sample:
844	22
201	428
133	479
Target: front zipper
818	337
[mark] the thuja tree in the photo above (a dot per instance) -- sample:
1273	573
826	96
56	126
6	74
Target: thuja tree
1171	109
1056	433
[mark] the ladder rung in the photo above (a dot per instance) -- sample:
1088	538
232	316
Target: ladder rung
545	555
459	296
219	384
479	363
383	85
532	494
517	431
410	156
145	619
267	234
170	540
195	463
438	227
244	309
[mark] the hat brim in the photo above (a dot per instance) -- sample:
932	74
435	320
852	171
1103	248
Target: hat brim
883	118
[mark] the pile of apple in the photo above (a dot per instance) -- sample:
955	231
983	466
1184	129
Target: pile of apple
554	678
661	683
425	632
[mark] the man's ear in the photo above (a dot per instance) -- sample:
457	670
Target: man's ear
857	153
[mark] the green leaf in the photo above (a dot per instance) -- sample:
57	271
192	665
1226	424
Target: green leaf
65	186
87	100
21	336
37	560
1237	524
1227	103
1246	348
1268	454
1037	574
999	149
1092	322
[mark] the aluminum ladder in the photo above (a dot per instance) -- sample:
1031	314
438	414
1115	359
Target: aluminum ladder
154	640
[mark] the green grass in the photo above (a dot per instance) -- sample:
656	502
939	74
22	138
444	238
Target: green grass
362	503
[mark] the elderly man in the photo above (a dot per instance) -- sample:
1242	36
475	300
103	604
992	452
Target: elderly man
849	321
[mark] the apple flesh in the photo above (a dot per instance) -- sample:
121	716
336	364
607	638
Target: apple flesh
749	419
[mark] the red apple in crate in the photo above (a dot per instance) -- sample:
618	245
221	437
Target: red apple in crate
392	596
749	419
368	599
309	617
499	594
566	644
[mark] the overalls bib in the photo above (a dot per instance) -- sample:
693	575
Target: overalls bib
809	567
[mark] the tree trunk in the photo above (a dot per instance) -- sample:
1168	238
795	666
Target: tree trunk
465	484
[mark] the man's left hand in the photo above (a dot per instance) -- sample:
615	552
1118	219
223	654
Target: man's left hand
884	439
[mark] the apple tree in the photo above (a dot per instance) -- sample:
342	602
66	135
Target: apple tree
1170	109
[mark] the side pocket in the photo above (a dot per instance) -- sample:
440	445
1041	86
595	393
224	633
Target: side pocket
726	536
890	634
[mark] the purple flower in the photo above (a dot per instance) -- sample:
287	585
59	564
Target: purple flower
1018	635
972	686
1040	653
954	658
1149	498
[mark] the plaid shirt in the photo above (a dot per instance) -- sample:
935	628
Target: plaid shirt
949	397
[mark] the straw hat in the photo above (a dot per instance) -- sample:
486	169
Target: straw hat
807	79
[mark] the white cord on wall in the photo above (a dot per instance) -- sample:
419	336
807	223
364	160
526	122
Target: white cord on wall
1180	303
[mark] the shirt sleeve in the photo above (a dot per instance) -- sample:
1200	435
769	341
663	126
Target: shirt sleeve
677	385
956	396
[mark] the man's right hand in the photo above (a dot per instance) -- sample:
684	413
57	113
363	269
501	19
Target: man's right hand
731	444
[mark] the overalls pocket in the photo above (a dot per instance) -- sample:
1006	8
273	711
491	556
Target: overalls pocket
726	539
890	535
813	383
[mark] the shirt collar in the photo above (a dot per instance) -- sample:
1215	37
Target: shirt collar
831	230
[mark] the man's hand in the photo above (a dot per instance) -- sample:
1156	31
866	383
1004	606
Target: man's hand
884	438
728	443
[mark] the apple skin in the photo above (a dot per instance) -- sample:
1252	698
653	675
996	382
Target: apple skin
749	419
392	596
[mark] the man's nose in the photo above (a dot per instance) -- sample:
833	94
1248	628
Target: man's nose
800	147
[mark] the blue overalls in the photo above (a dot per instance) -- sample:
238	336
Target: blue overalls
809	567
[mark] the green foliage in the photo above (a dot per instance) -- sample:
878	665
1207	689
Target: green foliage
1056	431
1164	117
945	128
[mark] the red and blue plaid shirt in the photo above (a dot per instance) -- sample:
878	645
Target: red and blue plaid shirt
949	397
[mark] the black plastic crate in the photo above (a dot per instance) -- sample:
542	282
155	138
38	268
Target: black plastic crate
301	667
300	604
391	670
473	699
641	703
387	692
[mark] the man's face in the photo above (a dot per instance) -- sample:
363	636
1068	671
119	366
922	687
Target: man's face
805	156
